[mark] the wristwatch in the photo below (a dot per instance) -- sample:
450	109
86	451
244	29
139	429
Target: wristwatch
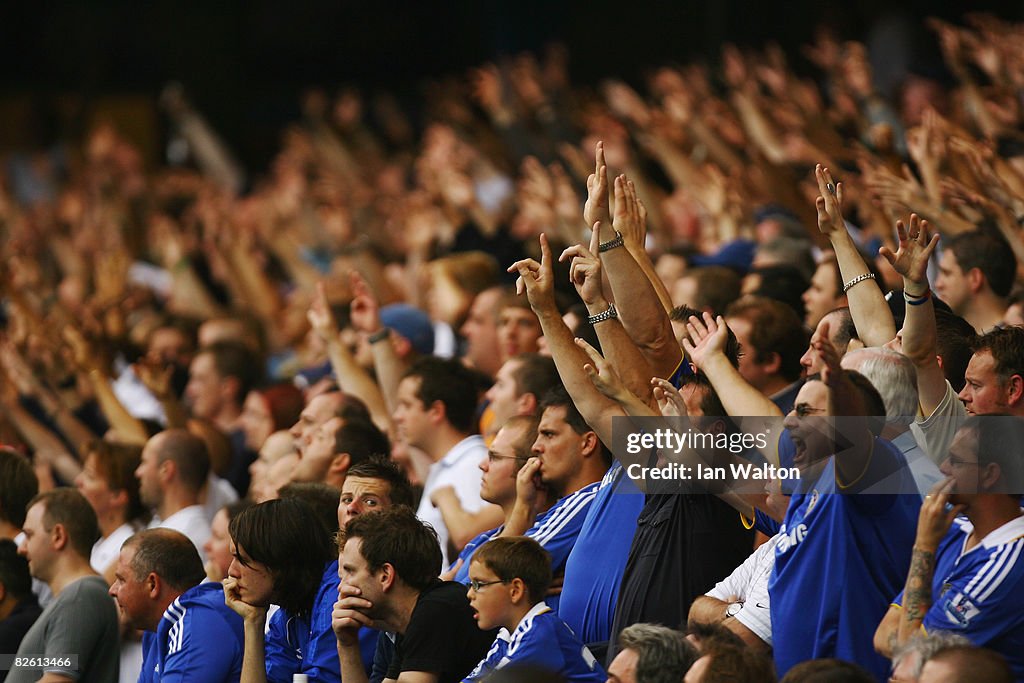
609	314
380	335
733	609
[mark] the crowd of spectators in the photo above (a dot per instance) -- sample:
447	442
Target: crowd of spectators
363	414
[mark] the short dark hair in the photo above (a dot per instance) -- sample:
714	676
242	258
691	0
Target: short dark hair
188	453
169	554
998	441
397	537
774	328
954	340
732	345
384	468
287	537
116	464
730	663
18	485
234	359
828	671
361	439
535	374
783	283
451	383
322	498
717	287
69	508
518	557
558	397
845	332
874	405
1006	344
988	253
14	575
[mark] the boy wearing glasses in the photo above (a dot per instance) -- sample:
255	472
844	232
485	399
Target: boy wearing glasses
508	579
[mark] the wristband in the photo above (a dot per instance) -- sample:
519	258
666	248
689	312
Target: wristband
380	335
917	300
611	244
609	314
860	278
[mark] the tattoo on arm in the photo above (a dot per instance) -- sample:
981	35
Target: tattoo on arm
917	596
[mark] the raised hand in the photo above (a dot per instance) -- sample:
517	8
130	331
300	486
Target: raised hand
585	269
670	401
831	372
365	309
602	374
537	279
630	215
320	317
707	339
596	209
829	204
156	375
915	249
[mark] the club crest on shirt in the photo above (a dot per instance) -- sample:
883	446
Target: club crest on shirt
813	501
959	609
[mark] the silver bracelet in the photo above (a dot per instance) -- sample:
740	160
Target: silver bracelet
611	244
609	314
858	279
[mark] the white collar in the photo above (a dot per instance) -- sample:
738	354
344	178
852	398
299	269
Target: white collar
462	448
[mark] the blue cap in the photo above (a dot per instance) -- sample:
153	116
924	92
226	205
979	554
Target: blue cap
737	255
411	323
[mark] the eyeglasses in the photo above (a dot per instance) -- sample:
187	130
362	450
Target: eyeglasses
494	457
957	462
803	410
477	585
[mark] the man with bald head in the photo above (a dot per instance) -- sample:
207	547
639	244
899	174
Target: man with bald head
171	476
191	635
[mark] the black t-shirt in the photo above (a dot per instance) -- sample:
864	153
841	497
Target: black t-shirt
442	636
17	624
684	544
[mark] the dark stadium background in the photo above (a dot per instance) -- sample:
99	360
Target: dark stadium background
244	62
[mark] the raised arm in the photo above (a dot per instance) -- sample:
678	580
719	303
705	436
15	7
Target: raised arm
537	279
706	347
645	318
934	521
919	337
871	314
585	274
352	378
366	318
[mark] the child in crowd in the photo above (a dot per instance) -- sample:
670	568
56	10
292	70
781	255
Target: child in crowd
508	578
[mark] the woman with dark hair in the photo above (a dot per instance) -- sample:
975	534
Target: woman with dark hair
283	555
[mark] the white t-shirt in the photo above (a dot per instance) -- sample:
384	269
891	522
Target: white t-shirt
219	492
106	550
460	469
749	583
190	521
936	431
